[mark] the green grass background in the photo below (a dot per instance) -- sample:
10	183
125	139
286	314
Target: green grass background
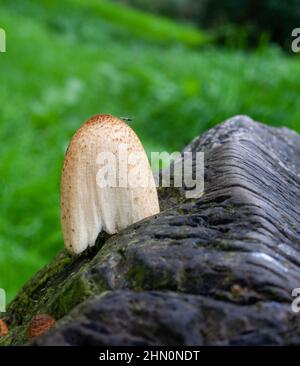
67	60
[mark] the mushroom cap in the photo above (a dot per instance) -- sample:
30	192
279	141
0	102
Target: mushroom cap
40	324
87	205
3	328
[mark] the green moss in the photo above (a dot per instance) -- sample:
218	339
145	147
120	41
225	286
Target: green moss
122	252
136	276
73	294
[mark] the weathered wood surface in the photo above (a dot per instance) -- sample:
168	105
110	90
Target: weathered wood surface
218	270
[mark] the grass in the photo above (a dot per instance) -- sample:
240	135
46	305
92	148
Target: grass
68	60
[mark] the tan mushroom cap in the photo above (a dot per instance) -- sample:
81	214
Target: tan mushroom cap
87	205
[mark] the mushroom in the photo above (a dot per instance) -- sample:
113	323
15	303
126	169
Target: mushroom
40	324
3	328
106	184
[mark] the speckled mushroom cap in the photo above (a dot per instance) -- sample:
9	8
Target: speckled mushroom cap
88	207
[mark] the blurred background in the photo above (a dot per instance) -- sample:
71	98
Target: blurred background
177	67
